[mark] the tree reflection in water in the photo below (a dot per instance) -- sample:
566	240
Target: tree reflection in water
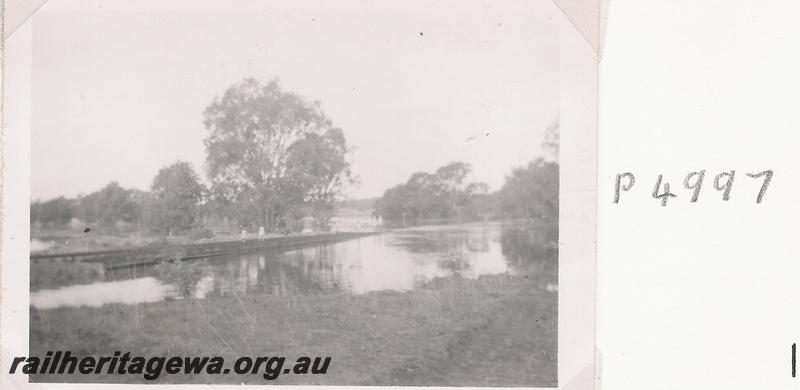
398	260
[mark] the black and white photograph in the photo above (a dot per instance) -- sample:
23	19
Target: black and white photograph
295	193
443	194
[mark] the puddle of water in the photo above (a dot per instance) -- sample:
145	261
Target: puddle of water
140	290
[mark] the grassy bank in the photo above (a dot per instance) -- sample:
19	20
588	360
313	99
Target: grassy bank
497	330
54	274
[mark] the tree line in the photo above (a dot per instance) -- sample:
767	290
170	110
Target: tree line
272	158
529	191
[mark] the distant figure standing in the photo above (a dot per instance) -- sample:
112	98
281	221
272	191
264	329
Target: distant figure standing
244	234
261	233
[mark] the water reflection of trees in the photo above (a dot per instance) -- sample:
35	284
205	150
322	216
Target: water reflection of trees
413	256
299	272
451	245
531	249
475	239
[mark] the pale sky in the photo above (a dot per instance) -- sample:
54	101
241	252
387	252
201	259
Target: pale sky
119	87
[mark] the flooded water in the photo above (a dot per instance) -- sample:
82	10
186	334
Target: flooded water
399	260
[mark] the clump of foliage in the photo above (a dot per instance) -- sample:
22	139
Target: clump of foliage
106	207
273	158
270	151
443	194
54	212
110	205
529	191
172	205
184	275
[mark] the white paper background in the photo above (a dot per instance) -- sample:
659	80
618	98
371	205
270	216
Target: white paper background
699	296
